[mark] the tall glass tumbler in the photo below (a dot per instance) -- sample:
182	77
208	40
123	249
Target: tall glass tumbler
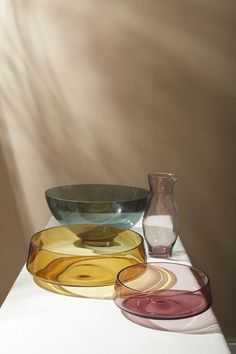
160	220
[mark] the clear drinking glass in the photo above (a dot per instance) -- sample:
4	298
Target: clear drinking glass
160	220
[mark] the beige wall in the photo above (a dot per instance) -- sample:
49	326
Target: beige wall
107	91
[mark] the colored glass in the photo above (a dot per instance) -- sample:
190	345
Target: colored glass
162	290
83	260
199	324
160	220
115	205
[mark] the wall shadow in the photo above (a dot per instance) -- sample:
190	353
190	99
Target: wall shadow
13	248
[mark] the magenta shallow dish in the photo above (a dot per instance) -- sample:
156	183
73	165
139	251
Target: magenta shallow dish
162	290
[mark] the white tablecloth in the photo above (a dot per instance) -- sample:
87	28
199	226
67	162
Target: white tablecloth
33	320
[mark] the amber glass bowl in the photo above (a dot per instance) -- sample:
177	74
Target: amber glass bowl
83	260
115	205
162	290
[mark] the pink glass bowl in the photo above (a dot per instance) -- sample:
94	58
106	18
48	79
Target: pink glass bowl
161	290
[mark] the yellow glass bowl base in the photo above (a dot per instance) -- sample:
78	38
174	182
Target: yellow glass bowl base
83	260
98	292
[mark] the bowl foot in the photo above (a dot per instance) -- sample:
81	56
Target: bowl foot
96	292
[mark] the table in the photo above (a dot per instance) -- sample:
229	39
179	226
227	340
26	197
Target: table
33	320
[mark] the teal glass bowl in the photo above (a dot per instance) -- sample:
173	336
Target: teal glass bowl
109	204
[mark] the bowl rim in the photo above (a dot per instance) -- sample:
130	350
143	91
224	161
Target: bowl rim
47	193
207	284
32	244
